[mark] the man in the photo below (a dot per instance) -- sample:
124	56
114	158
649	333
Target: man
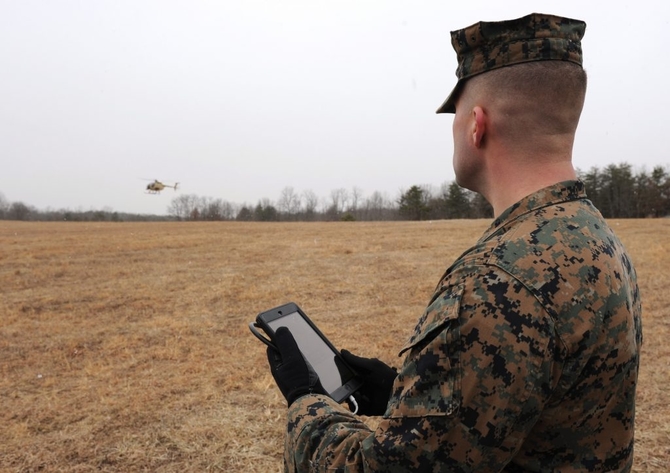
526	357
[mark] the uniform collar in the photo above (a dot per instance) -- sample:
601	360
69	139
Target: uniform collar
555	194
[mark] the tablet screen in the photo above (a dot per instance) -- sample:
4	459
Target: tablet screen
332	374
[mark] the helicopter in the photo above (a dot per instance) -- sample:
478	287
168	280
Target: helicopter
157	186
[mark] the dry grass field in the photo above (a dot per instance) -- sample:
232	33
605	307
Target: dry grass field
125	346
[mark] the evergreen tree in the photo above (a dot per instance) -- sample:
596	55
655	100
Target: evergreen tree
660	192
593	184
457	202
479	206
245	214
618	194
265	212
413	204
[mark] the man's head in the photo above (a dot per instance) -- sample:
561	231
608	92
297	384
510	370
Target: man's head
519	96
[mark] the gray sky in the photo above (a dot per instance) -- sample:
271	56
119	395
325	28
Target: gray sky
237	99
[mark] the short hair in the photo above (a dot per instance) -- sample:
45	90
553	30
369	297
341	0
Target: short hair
550	79
550	93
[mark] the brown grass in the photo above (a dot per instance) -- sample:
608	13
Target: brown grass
125	347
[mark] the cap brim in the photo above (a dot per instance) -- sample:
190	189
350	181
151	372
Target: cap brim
449	105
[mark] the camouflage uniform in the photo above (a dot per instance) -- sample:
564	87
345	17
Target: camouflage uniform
525	359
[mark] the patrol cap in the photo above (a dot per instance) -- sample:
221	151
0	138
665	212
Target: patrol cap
490	45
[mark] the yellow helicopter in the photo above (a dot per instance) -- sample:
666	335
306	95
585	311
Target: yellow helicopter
157	186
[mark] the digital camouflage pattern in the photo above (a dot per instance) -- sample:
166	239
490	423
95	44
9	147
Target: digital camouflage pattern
489	45
526	359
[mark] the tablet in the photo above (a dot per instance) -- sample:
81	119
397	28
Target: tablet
336	377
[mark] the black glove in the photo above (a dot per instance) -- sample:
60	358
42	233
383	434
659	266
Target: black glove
293	375
378	377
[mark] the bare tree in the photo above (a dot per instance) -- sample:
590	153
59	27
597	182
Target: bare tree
229	210
4	205
289	202
310	203
211	209
356	197
339	198
185	207
375	206
19	211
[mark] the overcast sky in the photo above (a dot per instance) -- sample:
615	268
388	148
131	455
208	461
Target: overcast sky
238	99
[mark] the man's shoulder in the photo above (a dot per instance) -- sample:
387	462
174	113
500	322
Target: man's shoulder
556	234
551	250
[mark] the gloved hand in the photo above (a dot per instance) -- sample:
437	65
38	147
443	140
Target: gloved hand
293	375
378	377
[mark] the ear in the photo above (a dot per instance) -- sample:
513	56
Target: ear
479	123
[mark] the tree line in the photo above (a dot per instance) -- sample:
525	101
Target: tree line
616	190
416	203
24	212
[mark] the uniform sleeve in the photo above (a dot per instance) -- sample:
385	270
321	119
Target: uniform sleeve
476	374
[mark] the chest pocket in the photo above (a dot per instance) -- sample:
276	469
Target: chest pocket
429	382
